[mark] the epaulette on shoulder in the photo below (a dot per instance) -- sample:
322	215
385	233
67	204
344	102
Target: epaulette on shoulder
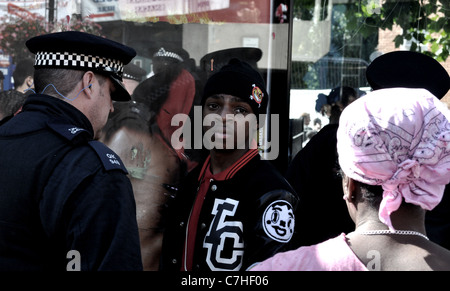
77	135
110	160
67	130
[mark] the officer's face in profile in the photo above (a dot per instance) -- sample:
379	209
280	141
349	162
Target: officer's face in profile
102	89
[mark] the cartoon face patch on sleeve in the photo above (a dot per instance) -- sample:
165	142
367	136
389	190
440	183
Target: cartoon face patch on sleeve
278	221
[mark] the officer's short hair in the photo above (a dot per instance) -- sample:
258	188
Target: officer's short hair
63	79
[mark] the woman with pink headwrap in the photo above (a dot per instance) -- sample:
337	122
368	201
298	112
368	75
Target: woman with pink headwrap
394	152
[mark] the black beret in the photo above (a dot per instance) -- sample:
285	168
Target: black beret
408	69
241	80
83	51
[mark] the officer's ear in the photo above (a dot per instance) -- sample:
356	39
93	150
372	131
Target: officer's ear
87	81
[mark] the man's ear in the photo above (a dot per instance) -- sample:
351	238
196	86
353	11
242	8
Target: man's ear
29	81
87	81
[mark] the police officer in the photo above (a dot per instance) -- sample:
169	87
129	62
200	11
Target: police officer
65	200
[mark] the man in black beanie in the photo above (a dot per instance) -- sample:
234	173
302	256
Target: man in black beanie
235	209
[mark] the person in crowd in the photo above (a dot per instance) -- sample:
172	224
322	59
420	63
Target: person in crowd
234	209
331	105
173	91
154	171
23	76
317	124
249	14
133	75
394	161
306	117
140	132
65	200
281	12
166	56
154	167
308	132
11	102
399	68
417	70
313	175
2	79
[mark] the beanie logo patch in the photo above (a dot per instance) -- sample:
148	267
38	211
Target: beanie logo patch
257	94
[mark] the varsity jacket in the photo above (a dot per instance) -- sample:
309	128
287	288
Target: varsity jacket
230	220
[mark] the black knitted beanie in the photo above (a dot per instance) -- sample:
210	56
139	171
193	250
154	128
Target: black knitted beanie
239	79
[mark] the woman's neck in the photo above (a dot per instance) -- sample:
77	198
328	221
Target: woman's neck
407	217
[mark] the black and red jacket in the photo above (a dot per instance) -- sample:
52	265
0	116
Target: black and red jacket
246	216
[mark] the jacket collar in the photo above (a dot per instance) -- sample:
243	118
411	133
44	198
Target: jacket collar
229	173
56	108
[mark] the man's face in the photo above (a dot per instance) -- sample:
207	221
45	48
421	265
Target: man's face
102	103
229	121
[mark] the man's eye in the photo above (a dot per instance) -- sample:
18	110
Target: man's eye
212	106
241	110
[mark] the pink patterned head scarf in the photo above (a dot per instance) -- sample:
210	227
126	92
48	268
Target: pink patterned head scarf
398	138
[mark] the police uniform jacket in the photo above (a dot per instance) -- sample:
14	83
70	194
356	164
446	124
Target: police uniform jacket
246	217
65	200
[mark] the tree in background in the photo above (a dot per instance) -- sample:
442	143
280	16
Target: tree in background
422	26
17	28
424	23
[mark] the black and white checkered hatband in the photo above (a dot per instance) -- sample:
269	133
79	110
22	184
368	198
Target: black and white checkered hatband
131	77
168	54
78	61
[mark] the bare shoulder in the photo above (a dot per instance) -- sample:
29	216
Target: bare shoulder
438	258
420	256
400	253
